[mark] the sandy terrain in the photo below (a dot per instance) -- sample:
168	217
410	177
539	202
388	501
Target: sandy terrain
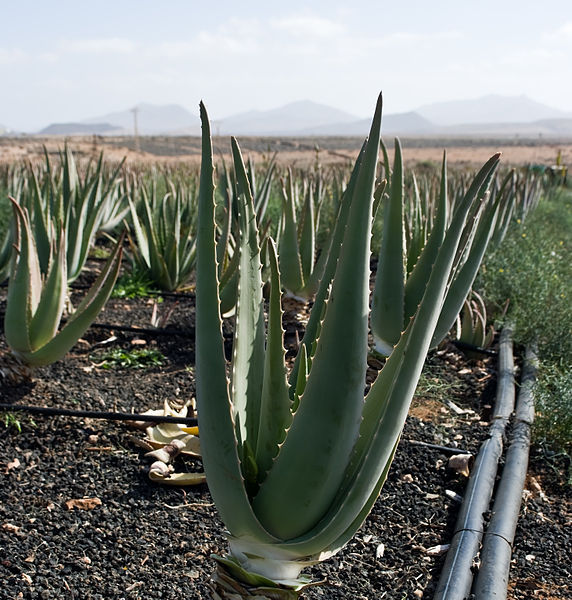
291	151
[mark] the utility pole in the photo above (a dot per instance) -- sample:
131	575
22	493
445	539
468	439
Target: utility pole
135	111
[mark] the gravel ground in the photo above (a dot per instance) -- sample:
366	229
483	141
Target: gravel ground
80	519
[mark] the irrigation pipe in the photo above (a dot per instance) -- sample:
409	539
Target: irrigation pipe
144	330
479	349
457	574
492	579
94	414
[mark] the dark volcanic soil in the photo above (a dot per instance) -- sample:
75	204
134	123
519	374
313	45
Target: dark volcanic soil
130	538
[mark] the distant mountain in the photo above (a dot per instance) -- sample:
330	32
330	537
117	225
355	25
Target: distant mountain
542	127
79	129
409	123
506	116
290	119
152	120
490	109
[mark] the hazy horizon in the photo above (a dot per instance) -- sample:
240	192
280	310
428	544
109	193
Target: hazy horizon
62	63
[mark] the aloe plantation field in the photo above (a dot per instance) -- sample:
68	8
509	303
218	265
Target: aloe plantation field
323	326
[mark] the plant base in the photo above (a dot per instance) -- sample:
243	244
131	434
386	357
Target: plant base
228	583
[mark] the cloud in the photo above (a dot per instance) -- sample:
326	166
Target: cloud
563	32
99	46
233	37
307	26
409	39
11	56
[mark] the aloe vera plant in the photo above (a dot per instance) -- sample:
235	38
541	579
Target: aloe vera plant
472	323
80	200
294	466
35	304
165	236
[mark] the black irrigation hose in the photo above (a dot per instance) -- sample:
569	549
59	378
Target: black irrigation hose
492	579
457	574
146	330
94	414
161	293
448	449
465	346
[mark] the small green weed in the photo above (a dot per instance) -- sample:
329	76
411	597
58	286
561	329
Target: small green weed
101	252
134	285
12	420
140	358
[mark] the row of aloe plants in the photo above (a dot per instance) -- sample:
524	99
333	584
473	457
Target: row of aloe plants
61	208
159	208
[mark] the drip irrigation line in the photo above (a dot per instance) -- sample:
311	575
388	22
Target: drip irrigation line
466	346
146	330
437	447
492	579
85	286
457	574
94	414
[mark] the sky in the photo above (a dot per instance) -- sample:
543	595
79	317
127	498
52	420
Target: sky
67	60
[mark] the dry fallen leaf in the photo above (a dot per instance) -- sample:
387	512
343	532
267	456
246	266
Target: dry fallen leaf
83	503
11	528
13	464
438	550
461	463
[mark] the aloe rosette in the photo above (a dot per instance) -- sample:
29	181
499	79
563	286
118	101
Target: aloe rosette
36	303
164	236
295	465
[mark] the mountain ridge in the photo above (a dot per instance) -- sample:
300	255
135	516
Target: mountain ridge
488	115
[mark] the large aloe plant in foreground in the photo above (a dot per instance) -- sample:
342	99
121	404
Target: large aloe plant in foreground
294	467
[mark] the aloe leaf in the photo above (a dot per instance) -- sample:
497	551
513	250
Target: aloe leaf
289	251
414	228
417	280
229	286
317	312
387	317
275	415
464	279
308	236
224	238
263	194
309	468
386	163
313	282
248	347
25	284
218	439
40	223
46	320
142	248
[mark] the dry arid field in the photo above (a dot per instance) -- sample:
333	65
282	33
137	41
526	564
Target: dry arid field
290	150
